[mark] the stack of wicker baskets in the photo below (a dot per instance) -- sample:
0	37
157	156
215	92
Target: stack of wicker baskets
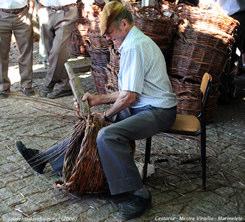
204	43
112	70
98	49
95	45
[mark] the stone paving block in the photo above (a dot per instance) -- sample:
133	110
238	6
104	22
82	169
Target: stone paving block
100	213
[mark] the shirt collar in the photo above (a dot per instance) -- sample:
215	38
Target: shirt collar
131	33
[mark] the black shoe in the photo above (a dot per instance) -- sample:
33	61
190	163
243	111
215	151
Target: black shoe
43	91
4	93
59	93
28	91
31	156
134	207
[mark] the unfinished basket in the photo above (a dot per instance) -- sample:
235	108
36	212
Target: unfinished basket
82	168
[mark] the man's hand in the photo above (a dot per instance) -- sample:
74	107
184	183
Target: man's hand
98	115
92	99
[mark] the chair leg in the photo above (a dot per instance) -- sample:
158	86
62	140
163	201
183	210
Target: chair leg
203	158
147	157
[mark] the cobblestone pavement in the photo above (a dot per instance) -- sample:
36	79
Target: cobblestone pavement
175	186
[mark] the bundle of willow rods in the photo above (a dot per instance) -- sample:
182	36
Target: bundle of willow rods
82	169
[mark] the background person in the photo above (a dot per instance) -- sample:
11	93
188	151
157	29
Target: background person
56	20
16	18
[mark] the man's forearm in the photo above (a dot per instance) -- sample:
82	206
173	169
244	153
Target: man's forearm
123	101
105	98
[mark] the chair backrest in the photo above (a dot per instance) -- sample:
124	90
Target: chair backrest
205	87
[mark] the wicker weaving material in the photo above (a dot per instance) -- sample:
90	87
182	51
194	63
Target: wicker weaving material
82	168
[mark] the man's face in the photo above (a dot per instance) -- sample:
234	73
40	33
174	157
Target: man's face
116	33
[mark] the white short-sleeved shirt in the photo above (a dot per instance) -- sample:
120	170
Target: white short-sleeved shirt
143	70
57	2
13	4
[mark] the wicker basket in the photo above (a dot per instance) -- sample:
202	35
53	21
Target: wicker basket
202	47
153	23
78	37
100	78
112	70
189	97
82	169
191	60
211	16
99	56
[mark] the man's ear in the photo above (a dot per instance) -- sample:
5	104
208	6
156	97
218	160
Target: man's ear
124	24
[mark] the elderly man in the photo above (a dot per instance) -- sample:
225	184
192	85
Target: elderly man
145	90
16	18
144	105
56	20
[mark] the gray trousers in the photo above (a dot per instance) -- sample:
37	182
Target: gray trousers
113	143
55	29
21	26
114	148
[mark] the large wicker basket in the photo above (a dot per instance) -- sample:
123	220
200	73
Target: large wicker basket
153	23
197	52
208	15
